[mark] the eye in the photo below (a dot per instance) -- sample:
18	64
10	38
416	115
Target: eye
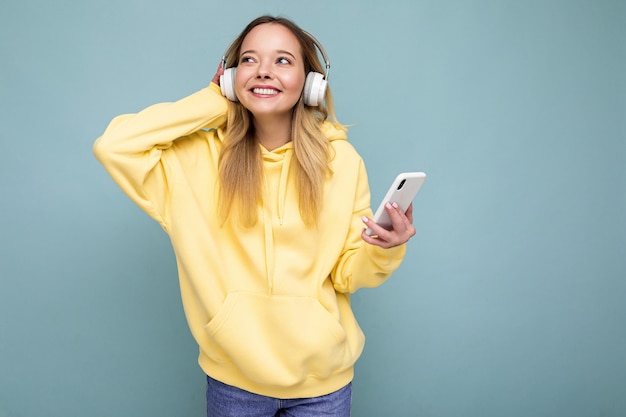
245	59
283	60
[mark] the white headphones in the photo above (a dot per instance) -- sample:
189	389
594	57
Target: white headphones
314	86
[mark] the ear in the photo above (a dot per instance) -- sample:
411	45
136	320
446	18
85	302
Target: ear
314	89
227	84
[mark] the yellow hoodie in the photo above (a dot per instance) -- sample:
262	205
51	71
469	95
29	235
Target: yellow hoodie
268	305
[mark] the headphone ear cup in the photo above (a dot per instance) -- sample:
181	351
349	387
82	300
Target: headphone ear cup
314	89
227	84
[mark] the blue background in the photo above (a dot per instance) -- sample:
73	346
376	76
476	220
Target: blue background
512	298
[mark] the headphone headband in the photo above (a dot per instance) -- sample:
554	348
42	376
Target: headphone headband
322	51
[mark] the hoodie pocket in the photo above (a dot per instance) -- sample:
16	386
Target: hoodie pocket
280	340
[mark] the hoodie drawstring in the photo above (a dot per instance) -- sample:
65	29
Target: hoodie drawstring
280	200
282	187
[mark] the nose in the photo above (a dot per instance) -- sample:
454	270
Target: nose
264	71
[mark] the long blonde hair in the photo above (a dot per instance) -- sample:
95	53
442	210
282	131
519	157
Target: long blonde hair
241	164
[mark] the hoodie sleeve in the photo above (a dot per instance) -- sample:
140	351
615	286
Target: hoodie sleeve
132	146
361	264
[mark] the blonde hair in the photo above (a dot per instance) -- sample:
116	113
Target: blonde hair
241	164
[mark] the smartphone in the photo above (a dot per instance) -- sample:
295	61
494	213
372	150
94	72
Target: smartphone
402	190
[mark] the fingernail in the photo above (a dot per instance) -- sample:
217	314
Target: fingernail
394	204
364	219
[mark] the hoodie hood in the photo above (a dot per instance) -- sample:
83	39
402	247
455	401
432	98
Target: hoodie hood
281	158
334	131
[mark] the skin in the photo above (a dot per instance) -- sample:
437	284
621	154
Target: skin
402	224
269	82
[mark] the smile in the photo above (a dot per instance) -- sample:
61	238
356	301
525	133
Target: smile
265	91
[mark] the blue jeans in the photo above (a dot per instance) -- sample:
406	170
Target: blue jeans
227	401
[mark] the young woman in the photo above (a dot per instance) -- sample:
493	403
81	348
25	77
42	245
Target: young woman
265	203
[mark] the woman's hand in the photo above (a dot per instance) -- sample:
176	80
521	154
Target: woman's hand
216	77
402	231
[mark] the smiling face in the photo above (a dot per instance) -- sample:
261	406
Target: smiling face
270	72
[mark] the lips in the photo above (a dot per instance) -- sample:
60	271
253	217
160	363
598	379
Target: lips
265	91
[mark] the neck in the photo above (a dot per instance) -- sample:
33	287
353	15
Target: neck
272	133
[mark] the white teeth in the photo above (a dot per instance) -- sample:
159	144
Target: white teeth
264	91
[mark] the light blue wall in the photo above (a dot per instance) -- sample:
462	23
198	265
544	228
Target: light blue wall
512	299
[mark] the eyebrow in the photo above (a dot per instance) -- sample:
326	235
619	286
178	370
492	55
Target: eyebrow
280	51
